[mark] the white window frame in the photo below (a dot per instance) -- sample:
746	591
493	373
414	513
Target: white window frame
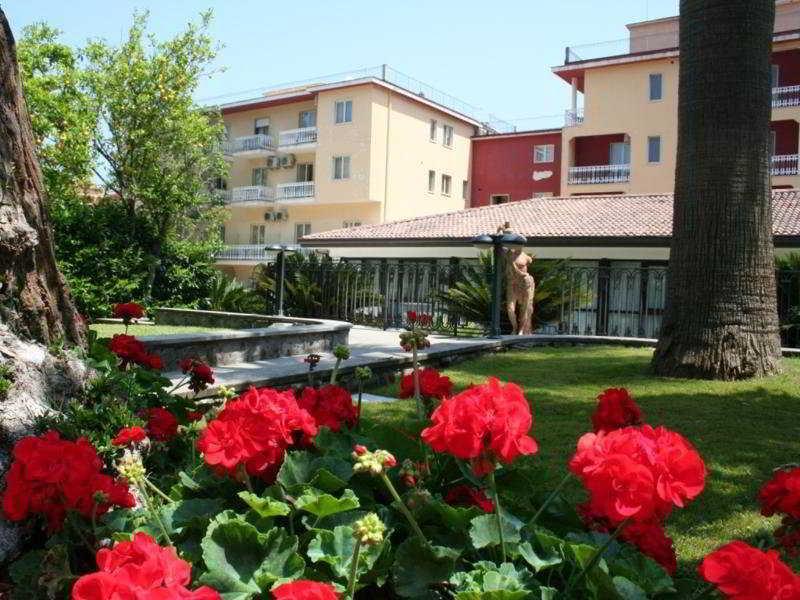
549	151
447	135
310	111
542	194
447	184
258	233
256	126
306	230
773	141
775	76
431	181
433	132
345	169
264	176
493	199
465	189
650	77
305	168
611	152
651	138
345	104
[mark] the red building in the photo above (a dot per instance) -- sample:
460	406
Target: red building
515	166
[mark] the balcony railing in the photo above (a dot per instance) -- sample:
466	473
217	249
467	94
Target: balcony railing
249	193
599	174
786	96
245	252
298	137
293	191
785	164
249	143
572	118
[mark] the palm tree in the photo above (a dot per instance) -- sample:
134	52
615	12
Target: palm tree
721	320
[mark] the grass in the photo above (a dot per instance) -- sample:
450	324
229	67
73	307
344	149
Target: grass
742	429
105	330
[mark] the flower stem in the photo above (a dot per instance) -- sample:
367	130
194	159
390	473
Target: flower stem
498	511
596	556
351	582
148	505
417	395
155	488
245	478
404	509
335	371
360	393
550	498
704	592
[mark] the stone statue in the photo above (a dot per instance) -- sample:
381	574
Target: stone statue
520	288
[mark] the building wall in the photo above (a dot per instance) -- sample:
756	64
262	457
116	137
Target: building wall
505	165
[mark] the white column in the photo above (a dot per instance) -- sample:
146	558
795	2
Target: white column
574	95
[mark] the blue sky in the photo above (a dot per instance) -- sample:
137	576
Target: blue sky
493	55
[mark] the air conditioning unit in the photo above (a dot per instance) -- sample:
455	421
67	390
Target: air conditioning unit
287	160
273	162
281	215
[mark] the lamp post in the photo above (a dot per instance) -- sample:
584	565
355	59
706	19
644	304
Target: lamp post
497	242
280	267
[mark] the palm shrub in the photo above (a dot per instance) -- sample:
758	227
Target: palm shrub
229	295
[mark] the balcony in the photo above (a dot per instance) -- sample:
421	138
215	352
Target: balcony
599	174
573	118
786	96
247	194
250	145
785	164
295	140
300	190
244	253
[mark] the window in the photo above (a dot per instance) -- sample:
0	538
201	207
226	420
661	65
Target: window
261	126
656	91
308	118
775	74
772	140
351	224
447	135
344	111
259	176
341	167
464	189
222	233
258	234
431	181
654	149
619	153
301	230
446	183
220	183
544	154
432	132
305	171
498	198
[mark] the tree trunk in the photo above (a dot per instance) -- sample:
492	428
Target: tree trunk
721	315
34	300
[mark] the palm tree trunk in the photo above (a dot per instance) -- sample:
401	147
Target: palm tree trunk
721	315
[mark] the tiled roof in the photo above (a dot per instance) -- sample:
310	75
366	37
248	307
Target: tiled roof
634	216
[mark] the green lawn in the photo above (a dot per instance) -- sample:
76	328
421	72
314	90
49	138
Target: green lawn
109	329
742	429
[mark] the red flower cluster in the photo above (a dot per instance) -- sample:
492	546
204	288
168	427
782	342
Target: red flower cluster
638	473
432	384
140	570
304	589
652	540
465	495
421	319
741	572
128	311
331	406
200	374
129	435
781	495
483	424
253	432
132	351
615	409
162	425
50	476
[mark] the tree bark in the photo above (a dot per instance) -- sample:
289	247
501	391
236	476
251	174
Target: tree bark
721	314
34	300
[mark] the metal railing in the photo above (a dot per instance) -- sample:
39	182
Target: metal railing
599	174
245	253
573	118
296	137
295	190
784	164
666	40
259	142
786	96
250	193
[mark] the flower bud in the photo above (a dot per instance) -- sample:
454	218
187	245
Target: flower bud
374	463
369	530
130	467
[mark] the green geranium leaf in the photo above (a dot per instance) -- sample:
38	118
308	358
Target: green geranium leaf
484	531
324	505
301	469
455	518
628	590
335	548
641	570
538	563
418	566
194	511
488	581
188	482
242	562
265	506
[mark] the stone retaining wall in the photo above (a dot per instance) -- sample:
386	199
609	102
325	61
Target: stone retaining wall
223	320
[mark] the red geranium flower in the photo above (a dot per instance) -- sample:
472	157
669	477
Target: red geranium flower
652	541
128	311
483	424
742	572
303	589
331	406
132	351
50	476
615	409
200	374
129	435
432	384
781	494
162	425
465	495
137	570
253	432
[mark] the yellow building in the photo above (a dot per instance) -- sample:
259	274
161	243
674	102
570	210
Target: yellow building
329	155
620	133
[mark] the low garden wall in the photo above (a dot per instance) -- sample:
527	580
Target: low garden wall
260	337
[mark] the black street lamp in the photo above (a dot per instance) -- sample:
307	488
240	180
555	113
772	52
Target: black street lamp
498	242
280	269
